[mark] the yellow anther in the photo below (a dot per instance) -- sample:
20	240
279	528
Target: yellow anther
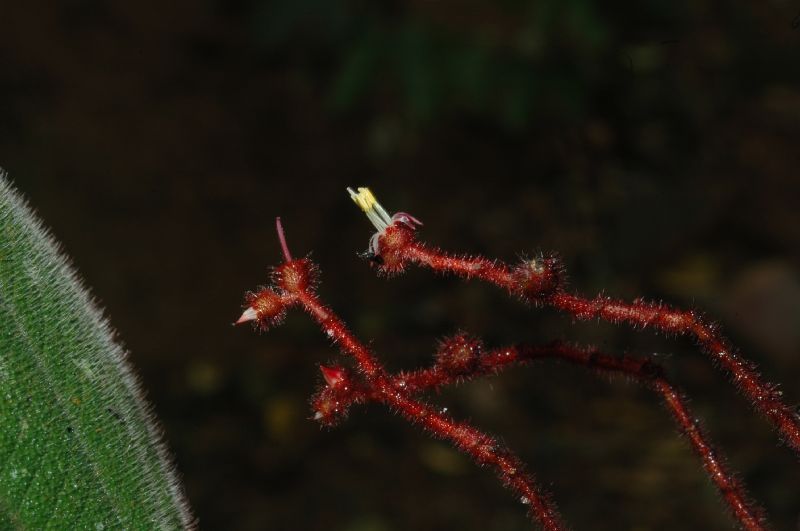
364	198
375	212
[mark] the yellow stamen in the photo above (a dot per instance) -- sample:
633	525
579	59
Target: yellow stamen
374	211
364	198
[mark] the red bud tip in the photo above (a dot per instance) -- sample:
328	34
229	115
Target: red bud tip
333	375
248	315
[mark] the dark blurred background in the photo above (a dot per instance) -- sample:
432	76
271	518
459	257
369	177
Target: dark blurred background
653	144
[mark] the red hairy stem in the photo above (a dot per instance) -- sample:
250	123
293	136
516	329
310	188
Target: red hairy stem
482	448
541	282
764	396
461	358
337	331
749	516
294	285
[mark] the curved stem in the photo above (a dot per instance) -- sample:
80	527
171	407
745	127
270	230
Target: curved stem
749	515
482	448
764	396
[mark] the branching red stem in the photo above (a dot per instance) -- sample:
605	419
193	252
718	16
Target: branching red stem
642	370
541	282
482	448
294	285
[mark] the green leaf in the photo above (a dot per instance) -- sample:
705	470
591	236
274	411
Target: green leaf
79	448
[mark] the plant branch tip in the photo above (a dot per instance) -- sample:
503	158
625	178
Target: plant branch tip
383	222
541	283
248	315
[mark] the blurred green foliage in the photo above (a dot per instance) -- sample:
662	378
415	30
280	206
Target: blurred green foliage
508	62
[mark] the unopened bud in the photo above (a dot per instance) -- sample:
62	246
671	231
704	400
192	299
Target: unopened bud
334	376
539	278
265	306
296	276
459	354
327	407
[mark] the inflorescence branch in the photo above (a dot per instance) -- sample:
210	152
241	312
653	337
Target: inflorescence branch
295	281
541	282
462	358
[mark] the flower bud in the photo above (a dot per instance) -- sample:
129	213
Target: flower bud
539	278
296	276
459	354
334	376
265	307
327	407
